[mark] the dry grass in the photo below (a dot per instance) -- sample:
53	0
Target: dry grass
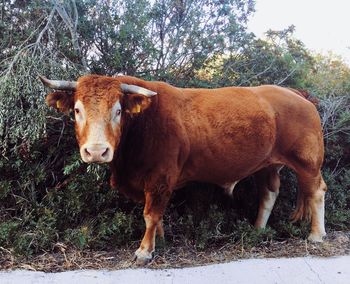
182	255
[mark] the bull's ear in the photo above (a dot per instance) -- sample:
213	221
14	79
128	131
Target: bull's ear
61	100
135	103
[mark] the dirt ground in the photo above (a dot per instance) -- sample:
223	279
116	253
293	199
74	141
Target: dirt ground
182	255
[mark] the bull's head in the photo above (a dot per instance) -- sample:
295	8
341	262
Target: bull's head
99	104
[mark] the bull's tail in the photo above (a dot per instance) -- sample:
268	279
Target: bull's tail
311	191
306	95
303	209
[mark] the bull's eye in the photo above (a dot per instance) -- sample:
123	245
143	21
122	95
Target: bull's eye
116	112
77	111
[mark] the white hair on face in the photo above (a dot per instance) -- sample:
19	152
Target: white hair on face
96	147
96	128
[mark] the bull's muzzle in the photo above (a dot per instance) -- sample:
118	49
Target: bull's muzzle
96	153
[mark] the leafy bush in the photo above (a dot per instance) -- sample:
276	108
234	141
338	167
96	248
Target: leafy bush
48	196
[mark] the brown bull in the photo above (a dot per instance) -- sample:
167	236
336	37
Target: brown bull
157	138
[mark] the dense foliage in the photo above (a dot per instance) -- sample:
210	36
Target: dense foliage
48	196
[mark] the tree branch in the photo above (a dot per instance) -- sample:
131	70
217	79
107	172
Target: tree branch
72	26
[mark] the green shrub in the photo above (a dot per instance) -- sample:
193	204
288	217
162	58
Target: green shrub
47	195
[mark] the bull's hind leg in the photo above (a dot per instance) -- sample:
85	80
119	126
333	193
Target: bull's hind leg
268	183
310	204
306	159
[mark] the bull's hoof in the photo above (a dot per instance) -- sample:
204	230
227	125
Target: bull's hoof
316	238
143	257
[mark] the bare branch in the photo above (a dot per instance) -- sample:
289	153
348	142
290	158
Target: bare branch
259	74
43	31
72	26
285	78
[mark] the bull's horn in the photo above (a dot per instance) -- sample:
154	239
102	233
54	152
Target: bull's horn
136	90
58	84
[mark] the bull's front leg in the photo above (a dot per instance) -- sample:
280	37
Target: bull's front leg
155	204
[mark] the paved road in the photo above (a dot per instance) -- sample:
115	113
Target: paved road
294	270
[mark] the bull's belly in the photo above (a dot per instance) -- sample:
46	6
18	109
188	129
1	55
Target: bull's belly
225	160
225	171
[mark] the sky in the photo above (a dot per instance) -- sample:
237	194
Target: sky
323	25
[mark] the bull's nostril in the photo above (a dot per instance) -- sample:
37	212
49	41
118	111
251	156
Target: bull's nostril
104	154
87	152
